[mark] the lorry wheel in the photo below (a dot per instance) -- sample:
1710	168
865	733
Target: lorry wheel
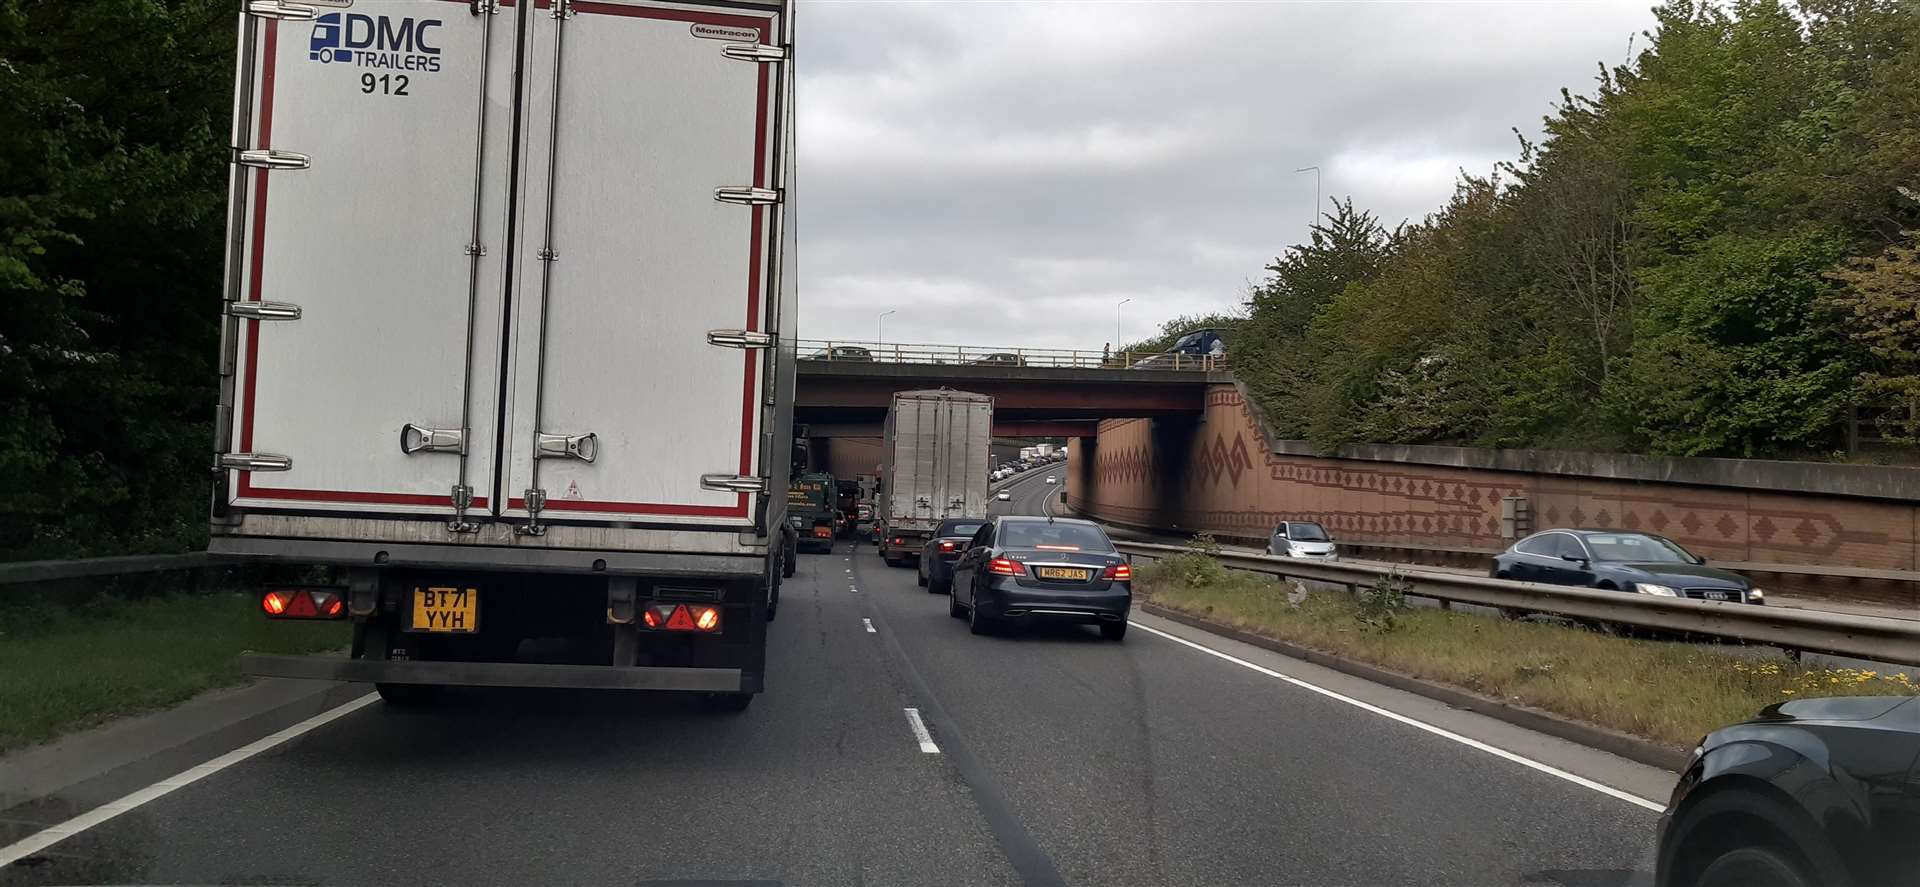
728	703
773	602
788	565
406	695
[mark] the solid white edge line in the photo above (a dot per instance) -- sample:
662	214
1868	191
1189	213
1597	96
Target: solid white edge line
869	624
920	733
1501	753
54	834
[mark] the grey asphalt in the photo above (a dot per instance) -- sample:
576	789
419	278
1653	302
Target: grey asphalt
1061	756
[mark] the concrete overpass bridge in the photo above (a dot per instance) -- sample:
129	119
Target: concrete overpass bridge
843	390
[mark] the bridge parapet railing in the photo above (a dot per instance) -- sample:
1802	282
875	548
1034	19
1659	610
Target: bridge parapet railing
853	351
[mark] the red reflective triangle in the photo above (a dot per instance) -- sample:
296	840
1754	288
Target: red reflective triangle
301	607
681	620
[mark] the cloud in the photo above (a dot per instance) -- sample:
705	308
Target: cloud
1001	173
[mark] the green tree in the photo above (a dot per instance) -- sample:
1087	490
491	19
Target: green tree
113	171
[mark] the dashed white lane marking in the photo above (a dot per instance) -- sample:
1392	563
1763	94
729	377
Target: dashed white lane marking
48	837
1501	753
920	733
869	624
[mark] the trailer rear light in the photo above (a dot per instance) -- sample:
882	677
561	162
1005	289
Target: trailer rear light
899	541
823	532
1122	572
682	617
1006	567
303	603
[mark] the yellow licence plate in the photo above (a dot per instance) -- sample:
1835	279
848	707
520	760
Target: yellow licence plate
446	608
1062	573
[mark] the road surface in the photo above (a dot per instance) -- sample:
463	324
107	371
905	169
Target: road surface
1046	756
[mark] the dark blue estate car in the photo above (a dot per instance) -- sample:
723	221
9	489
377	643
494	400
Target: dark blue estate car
1808	792
1621	561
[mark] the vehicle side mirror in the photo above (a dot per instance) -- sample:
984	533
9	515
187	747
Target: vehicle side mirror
1700	559
1574	558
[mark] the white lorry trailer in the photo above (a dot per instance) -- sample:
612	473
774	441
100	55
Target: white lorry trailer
508	315
936	448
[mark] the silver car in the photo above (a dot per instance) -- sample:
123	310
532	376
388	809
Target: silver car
1304	539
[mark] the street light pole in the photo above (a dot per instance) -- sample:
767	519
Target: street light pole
880	336
1315	218
1117	341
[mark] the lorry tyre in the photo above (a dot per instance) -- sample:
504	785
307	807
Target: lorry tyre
406	695
728	703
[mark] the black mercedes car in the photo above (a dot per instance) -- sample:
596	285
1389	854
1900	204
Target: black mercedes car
1026	568
949	540
1621	561
1813	791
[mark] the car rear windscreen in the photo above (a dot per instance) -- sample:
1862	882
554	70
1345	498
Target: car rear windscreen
959	528
1056	537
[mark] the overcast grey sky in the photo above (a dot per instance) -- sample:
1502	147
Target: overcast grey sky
1004	173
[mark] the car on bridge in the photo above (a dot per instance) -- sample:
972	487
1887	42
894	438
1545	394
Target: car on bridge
937	556
842	353
1811	791
1021	569
1193	350
1001	359
1641	563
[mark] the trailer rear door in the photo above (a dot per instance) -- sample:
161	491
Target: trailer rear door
362	204
648	230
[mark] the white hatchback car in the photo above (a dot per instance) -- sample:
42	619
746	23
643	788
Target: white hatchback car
1052	480
1302	538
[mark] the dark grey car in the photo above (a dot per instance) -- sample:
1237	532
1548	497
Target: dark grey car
1020	569
1621	561
948	543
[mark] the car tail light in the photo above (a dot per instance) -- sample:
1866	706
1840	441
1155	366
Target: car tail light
1121	572
303	603
823	532
899	541
1057	547
682	617
946	546
1006	567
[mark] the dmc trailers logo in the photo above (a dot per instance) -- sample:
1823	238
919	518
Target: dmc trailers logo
366	41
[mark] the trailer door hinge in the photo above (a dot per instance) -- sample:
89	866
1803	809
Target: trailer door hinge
485	7
269	158
746	194
264	310
733	483
462	500
739	339
253	462
535	500
547	254
279	10
476	249
754	52
414	439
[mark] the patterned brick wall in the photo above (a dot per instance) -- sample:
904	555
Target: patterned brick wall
1216	474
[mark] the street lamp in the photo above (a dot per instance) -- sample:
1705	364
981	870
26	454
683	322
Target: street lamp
881	335
1315	218
1117	341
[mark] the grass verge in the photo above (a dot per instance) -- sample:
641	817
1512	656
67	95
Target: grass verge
62	669
1668	692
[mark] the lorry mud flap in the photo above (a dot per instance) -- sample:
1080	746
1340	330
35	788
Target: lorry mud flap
497	674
